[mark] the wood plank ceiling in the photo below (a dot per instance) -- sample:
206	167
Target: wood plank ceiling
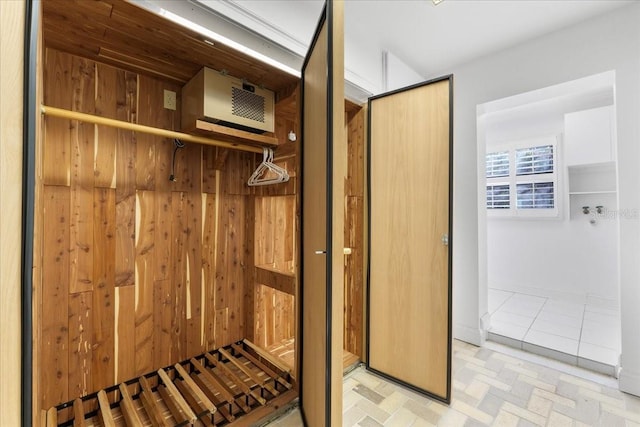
124	35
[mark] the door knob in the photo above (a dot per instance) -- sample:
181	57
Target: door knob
320	252
445	239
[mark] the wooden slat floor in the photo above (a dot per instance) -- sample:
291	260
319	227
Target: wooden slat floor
234	385
285	351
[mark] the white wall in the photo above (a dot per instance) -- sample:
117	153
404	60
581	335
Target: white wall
565	257
396	74
608	42
580	259
362	62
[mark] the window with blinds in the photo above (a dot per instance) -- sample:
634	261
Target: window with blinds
522	179
534	160
497	164
498	196
535	195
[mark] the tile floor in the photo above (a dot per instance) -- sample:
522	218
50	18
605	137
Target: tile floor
495	386
579	334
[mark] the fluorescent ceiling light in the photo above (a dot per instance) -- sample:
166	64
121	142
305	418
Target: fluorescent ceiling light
211	35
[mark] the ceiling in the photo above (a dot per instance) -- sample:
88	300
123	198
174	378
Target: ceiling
119	33
428	38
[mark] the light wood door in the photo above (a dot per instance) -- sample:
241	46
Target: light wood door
409	331
323	172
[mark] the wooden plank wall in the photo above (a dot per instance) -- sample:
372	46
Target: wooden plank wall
275	248
12	19
138	272
354	234
275	239
276	218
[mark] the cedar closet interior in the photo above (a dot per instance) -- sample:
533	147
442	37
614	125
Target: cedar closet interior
139	280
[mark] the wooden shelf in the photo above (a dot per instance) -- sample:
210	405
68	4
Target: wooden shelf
236	144
234	136
283	281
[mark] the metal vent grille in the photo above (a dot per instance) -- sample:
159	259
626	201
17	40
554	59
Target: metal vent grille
247	104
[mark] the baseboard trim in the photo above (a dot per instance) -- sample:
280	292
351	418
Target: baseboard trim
629	381
469	335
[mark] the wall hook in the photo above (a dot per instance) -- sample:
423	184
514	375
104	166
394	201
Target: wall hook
178	144
586	210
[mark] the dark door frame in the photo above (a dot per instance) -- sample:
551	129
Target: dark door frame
30	111
446	399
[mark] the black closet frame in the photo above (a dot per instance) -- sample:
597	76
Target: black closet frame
30	110
447	398
325	17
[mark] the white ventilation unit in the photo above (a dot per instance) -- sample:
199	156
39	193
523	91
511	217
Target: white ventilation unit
218	98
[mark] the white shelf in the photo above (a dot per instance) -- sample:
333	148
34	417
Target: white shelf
600	167
591	184
594	178
593	192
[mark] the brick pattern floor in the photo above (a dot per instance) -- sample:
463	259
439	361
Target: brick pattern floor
490	388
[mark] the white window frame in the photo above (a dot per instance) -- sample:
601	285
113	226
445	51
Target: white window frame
513	180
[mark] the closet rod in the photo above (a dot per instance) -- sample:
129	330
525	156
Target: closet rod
90	118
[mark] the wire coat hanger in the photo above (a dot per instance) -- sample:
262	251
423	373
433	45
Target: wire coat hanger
267	172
